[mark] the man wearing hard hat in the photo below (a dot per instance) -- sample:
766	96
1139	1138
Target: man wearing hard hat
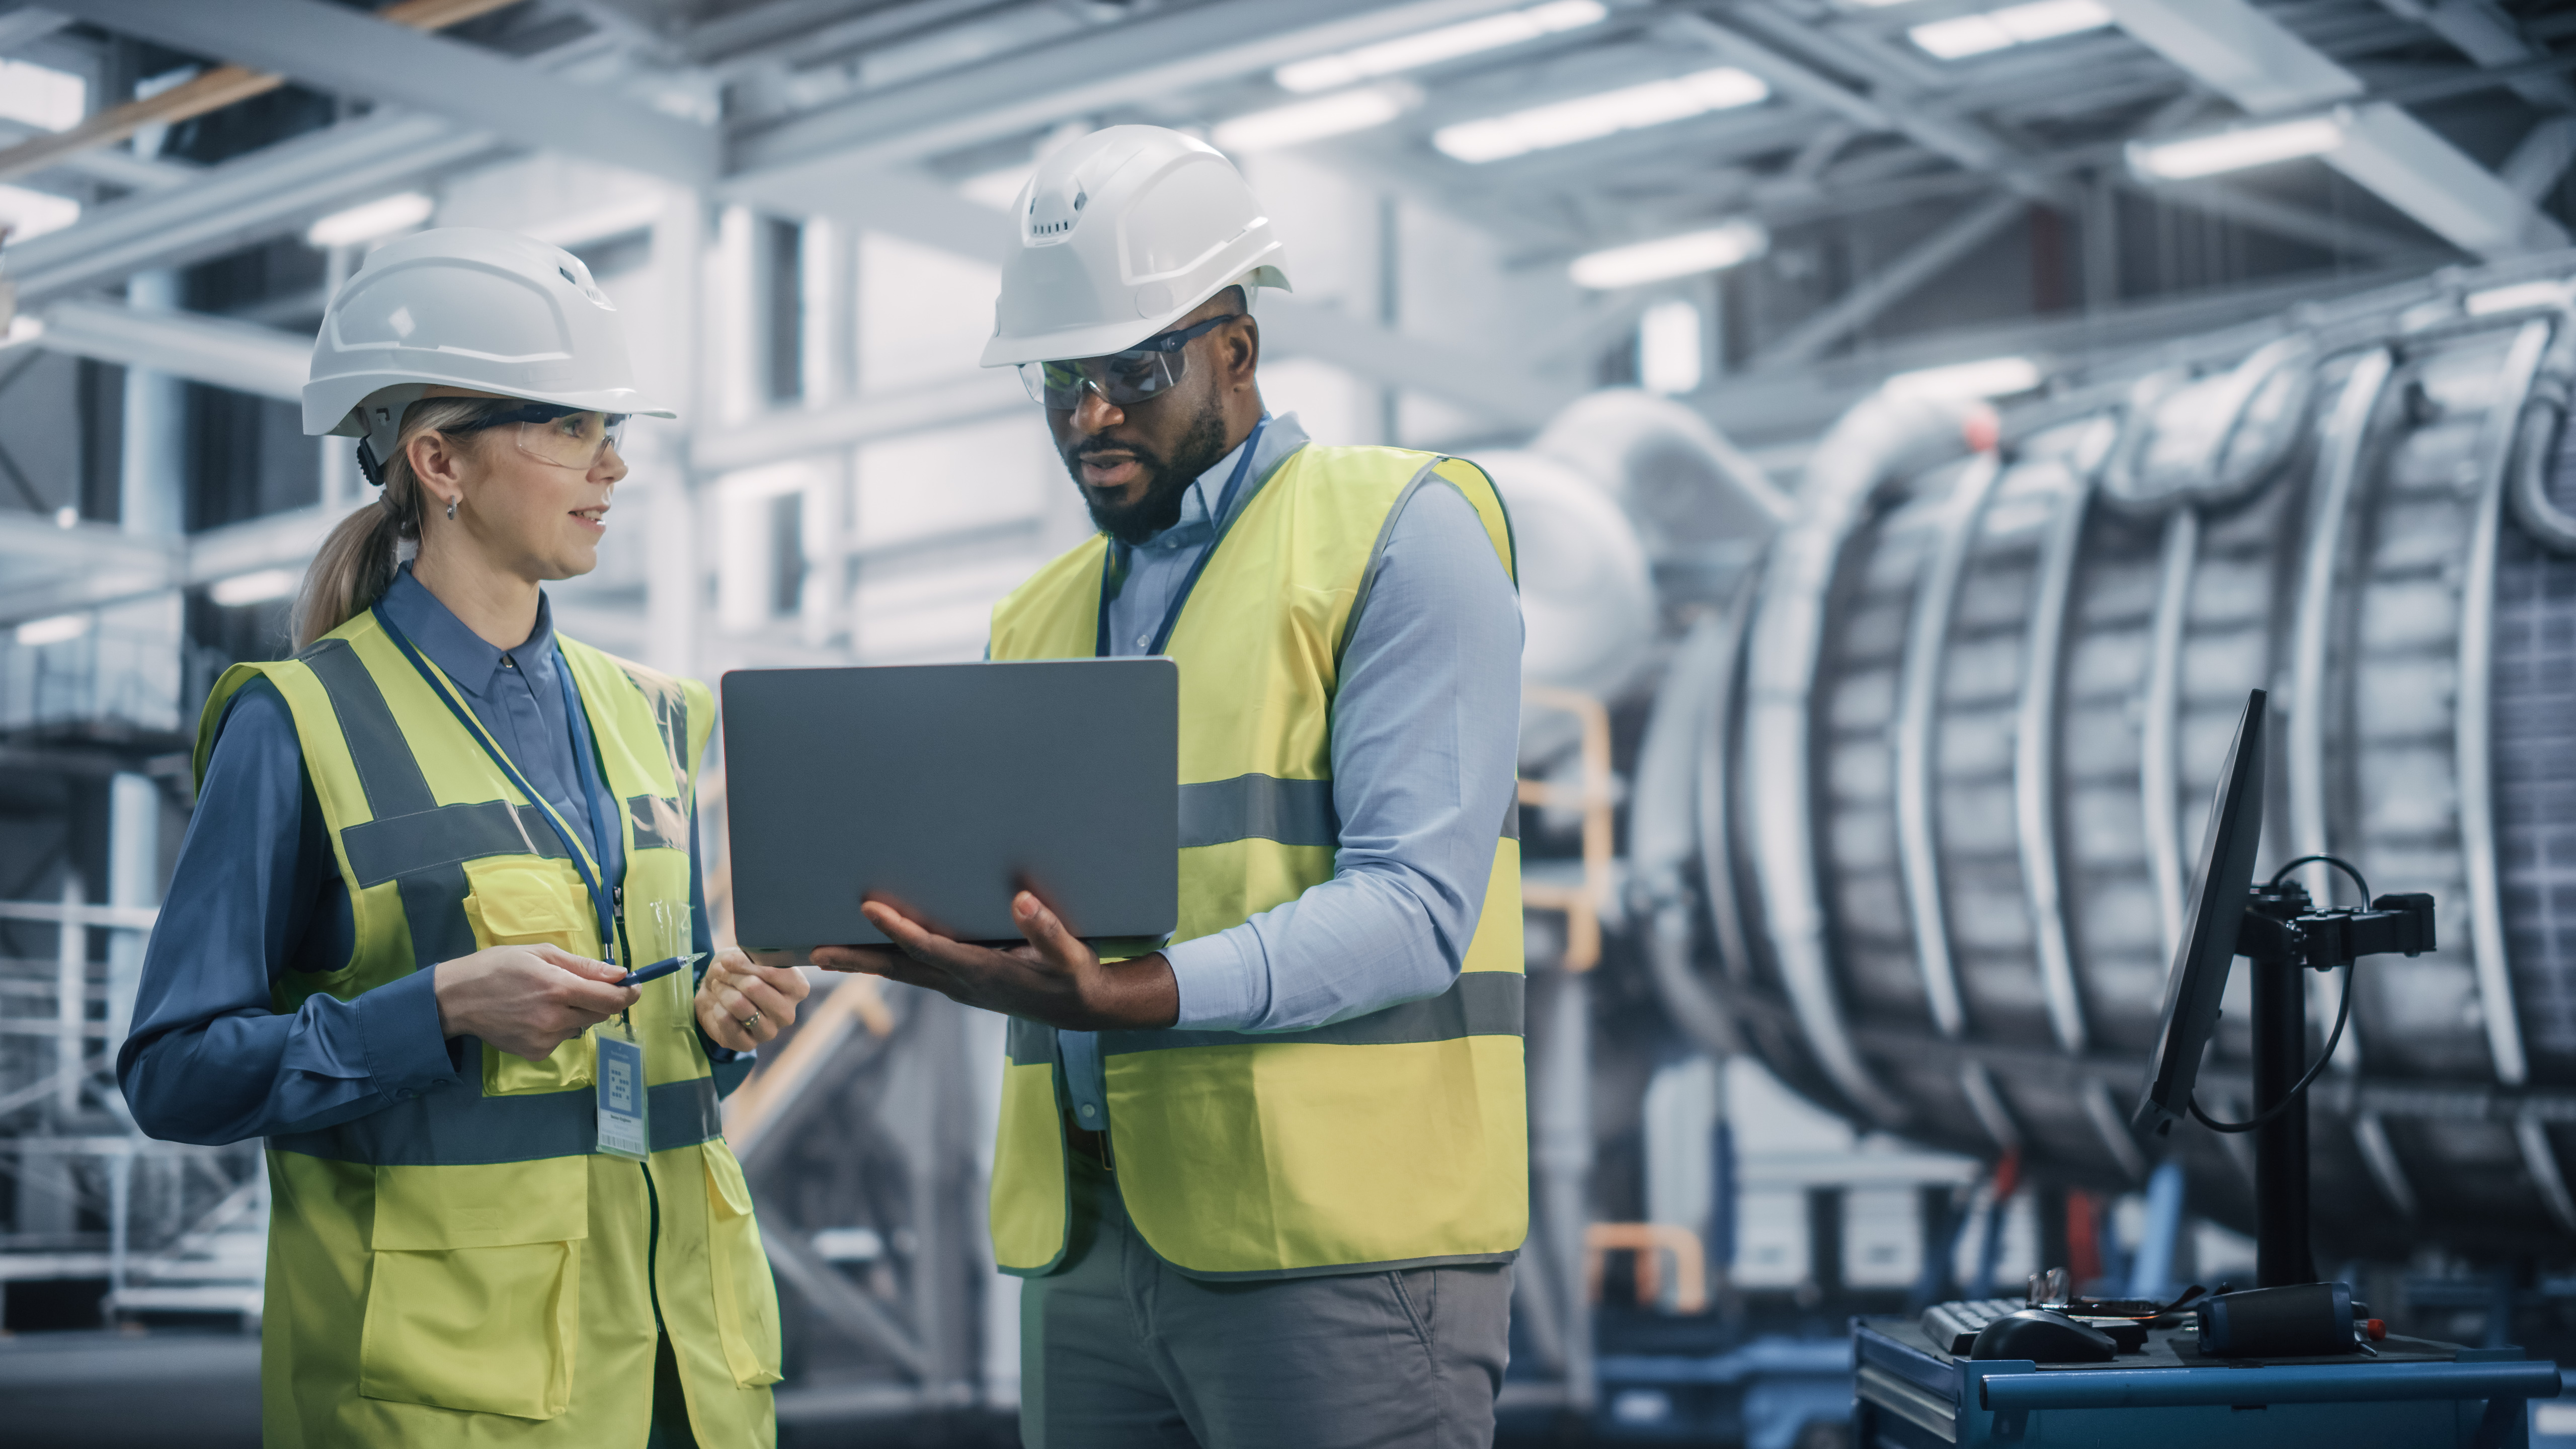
1266	1183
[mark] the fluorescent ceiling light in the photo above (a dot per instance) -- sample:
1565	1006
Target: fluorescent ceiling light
56	630
41	95
1588	118
1430	47
256	588
27	213
1991	377
22	329
1673	256
370	220
66	517
2235	150
2516	297
1303	121
1967	35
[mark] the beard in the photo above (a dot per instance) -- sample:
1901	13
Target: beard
1166	479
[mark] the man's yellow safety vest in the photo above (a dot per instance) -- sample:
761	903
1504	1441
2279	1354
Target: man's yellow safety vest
1393	1139
463	1267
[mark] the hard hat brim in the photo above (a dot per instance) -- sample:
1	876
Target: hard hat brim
1102	338
345	423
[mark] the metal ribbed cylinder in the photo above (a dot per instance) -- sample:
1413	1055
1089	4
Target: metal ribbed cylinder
1946	765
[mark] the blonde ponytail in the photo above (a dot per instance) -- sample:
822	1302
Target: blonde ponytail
356	563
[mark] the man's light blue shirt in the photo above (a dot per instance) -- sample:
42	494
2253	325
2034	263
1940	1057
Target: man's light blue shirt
1425	738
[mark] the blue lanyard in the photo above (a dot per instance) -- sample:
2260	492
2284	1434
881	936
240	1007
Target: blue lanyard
581	855
1113	567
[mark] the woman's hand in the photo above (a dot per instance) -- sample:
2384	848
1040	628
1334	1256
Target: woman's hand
527	1000
737	991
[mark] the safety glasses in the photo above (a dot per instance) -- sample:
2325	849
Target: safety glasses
1121	378
562	436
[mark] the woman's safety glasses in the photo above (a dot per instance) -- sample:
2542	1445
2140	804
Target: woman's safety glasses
565	437
1121	378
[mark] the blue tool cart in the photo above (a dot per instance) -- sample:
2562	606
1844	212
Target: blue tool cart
2417	1394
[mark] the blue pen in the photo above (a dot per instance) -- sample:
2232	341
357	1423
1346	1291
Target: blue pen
660	969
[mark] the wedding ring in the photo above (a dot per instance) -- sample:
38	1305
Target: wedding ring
748	1020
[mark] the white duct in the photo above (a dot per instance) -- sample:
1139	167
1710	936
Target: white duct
1587	598
1682	484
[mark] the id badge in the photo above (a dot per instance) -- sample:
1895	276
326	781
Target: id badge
623	1131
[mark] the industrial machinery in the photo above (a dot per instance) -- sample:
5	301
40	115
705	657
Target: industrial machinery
1913	818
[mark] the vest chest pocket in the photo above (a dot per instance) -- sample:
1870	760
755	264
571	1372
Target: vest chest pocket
519	902
746	1299
474	1286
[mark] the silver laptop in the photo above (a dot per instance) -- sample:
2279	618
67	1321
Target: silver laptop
942	789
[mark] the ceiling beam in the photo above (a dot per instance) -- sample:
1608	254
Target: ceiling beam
336	49
239	201
2485	34
2253	60
263	361
1154	57
117	168
1893	283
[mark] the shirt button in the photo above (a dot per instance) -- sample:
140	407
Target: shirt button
1144	639
1089	1110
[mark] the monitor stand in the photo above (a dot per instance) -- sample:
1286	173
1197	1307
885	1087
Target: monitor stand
2281	1253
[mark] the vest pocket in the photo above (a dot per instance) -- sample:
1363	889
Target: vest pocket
746	1299
520	902
474	1286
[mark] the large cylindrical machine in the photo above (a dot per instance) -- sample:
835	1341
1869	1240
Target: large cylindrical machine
1916	816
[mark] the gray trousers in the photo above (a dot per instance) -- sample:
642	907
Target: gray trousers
1119	1350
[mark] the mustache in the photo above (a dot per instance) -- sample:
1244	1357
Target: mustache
1093	447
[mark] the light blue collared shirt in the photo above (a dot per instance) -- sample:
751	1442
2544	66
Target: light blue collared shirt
1425	739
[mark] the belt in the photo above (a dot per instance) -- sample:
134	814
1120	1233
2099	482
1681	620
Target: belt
1093	1145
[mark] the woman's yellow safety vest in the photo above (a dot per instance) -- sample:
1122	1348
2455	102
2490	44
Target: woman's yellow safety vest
463	1267
1393	1139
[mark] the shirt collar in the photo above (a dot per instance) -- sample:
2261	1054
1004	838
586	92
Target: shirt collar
1278	438
460	653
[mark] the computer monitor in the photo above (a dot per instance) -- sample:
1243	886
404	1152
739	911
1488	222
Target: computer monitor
2208	946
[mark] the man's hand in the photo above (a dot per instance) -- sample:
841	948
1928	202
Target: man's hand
1054	978
527	1000
736	989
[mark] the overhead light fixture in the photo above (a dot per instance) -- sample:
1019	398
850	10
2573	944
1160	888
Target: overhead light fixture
2224	151
1673	256
242	590
364	223
1990	377
1965	35
2516	297
22	329
1589	118
1302	121
41	95
66	517
1430	47
26	213
59	629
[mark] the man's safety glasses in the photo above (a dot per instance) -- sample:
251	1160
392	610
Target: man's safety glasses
562	436
1121	378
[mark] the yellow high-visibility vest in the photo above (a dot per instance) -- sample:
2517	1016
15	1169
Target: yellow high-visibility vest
1397	1138
462	1267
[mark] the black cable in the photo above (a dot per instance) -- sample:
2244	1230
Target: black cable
2343	1012
2347	867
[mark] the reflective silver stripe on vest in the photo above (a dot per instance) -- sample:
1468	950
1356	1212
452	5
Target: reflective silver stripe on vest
1479	1003
1029	1043
659	825
459	1128
432	894
390	846
1291	812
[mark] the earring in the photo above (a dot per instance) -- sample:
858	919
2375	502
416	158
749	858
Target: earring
451	510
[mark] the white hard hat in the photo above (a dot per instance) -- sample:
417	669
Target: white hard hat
461	306
1120	235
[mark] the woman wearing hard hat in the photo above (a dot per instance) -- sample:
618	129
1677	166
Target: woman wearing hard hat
413	933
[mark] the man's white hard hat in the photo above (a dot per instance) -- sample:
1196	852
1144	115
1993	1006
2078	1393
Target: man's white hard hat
466	307
1120	234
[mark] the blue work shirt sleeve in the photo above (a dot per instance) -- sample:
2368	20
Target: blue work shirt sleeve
209	1060
1426	735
